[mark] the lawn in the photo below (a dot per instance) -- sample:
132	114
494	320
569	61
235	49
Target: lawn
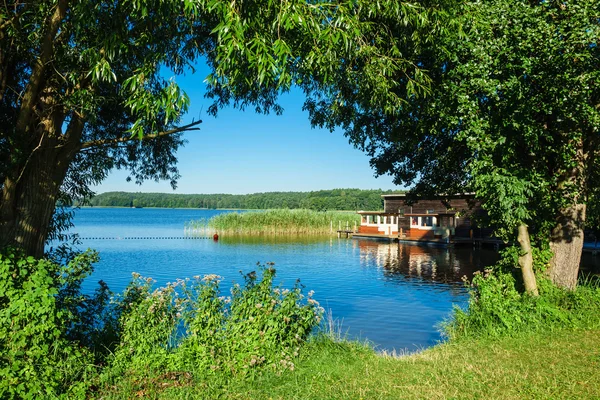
557	365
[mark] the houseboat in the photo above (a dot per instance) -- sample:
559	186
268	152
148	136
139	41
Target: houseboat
441	218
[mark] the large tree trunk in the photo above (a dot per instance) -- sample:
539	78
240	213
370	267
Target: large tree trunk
30	191
566	243
526	261
28	202
41	156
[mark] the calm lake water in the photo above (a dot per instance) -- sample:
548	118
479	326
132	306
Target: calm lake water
392	295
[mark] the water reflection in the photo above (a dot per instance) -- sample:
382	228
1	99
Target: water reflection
262	240
391	294
429	263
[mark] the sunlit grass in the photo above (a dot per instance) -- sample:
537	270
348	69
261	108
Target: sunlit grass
275	222
533	366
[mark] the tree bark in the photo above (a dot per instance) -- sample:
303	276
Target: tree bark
34	87
28	203
566	239
526	261
566	244
29	194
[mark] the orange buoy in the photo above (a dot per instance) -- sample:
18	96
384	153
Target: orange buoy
216	237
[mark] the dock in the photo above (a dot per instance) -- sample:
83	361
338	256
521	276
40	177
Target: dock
450	242
346	232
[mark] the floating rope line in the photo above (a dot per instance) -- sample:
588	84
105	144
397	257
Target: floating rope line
143	237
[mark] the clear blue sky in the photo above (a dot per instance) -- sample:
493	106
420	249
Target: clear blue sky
243	152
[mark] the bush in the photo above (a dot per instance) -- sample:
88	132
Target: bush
53	338
497	307
189	326
37	299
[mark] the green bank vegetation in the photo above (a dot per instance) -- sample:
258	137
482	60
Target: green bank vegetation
507	345
538	366
58	342
275	222
188	340
335	199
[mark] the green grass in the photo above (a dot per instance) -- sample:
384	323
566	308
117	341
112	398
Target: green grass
275	222
507	346
563	364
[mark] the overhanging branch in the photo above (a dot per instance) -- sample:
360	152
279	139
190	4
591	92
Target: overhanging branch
102	142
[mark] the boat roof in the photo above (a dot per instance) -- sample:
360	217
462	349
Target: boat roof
405	195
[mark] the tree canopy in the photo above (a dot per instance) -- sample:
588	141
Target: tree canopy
80	81
500	97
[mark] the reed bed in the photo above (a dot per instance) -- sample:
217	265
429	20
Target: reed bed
275	222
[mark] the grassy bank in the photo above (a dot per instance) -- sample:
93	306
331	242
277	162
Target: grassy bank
563	364
275	222
256	343
507	345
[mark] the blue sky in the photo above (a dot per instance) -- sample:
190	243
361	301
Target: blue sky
242	152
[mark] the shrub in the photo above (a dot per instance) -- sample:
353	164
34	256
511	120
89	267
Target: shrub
189	326
37	299
148	324
53	337
497	307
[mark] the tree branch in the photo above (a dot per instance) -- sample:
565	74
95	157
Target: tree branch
102	142
30	97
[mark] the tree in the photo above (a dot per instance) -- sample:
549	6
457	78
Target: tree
513	112
532	104
81	89
79	82
528	109
501	97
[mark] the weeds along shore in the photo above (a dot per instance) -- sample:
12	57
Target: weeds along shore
189	340
275	222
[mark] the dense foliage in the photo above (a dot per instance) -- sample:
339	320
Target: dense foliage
39	307
81	93
498	307
336	199
57	342
513	113
257	326
83	88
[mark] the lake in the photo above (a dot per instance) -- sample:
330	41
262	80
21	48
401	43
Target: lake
393	295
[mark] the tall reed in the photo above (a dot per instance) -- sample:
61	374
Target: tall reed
275	222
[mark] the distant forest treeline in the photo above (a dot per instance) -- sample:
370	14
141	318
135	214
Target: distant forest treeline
336	199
